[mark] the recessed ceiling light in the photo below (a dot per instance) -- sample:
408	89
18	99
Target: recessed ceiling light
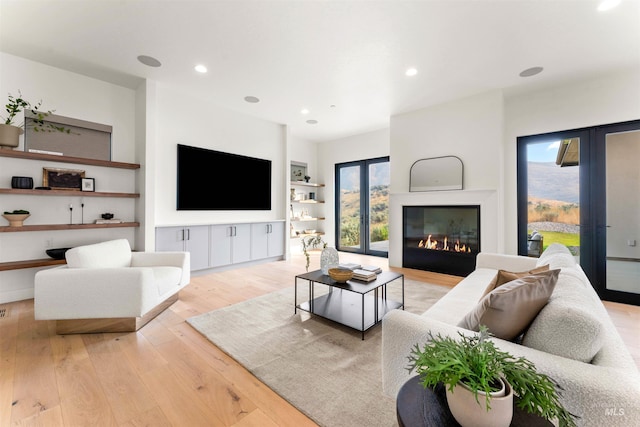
531	71
607	5
304	111
411	72
252	99
332	106
200	68
312	122
149	61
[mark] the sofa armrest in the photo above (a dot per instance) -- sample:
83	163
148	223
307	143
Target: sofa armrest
505	262
599	395
90	293
171	259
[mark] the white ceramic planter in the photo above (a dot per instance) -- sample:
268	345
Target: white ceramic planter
9	136
470	413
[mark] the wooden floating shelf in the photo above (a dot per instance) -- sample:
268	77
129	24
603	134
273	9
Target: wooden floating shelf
305	235
43	227
66	159
66	193
306	219
306	184
18	265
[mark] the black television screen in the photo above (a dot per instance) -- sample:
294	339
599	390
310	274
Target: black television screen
213	180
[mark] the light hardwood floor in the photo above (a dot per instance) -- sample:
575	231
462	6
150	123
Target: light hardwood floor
166	373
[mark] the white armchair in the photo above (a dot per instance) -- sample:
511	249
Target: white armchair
106	287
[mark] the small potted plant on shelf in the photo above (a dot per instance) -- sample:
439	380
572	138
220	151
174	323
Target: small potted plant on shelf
10	133
16	218
311	242
474	366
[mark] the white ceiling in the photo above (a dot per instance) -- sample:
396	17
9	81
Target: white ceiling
315	54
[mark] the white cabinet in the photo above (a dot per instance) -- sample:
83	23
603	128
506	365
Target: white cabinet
193	239
267	240
230	244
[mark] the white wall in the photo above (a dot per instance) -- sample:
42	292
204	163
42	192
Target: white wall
610	98
201	123
81	97
469	128
358	147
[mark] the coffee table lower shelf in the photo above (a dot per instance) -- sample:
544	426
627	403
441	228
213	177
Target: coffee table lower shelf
346	308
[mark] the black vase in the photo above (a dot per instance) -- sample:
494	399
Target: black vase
22	182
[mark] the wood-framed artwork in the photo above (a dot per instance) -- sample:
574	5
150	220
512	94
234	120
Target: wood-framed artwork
62	179
88	184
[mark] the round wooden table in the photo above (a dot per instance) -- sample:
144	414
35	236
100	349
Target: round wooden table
420	407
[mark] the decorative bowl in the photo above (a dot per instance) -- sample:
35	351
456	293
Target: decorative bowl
15	220
310	231
340	275
107	216
57	253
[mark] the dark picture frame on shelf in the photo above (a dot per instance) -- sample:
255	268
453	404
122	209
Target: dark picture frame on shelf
88	184
62	179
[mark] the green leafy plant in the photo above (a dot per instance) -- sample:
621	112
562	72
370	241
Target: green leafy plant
17	212
476	362
311	242
18	104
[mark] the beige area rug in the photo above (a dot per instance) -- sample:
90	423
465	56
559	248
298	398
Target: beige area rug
322	368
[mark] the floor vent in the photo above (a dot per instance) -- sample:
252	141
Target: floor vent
3	312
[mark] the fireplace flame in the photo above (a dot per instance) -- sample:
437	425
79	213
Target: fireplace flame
444	245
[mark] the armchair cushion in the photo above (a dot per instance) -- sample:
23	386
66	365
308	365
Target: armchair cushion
111	254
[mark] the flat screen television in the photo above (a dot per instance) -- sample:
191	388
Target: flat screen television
214	180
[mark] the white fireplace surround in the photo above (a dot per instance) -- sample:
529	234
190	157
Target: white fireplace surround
486	199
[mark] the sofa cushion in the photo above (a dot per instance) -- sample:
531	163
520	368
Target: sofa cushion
110	254
557	256
504	276
565	331
509	309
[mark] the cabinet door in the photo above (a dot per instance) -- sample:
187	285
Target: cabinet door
197	243
170	239
276	239
241	243
259	240
220	245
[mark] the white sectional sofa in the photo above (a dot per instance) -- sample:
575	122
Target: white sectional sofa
572	339
105	287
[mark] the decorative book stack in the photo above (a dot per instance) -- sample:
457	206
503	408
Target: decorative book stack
364	275
350	265
372	268
109	221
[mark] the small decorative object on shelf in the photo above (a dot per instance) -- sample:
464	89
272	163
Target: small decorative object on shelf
57	253
307	178
23	182
329	259
88	184
292	194
17	217
107	215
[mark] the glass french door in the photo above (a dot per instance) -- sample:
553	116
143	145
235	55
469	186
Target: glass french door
618	217
581	188
362	206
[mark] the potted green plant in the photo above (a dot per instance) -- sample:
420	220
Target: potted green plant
311	242
10	133
475	361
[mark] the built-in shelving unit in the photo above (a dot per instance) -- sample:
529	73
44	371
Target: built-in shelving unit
23	264
302	217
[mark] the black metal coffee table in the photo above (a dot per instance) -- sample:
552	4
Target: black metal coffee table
351	303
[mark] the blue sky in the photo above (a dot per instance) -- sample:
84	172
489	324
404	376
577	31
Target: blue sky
543	152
